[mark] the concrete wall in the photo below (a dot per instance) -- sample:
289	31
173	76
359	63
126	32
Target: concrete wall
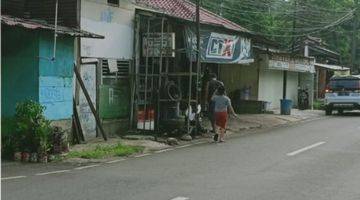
19	67
56	77
87	119
271	86
239	76
115	23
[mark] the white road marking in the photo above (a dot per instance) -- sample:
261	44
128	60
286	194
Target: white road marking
53	172
85	167
180	198
12	177
183	146
305	149
142	155
115	161
163	150
199	142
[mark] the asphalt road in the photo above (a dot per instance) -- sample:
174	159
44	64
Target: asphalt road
318	160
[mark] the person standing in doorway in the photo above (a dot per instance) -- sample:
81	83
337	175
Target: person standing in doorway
211	87
222	106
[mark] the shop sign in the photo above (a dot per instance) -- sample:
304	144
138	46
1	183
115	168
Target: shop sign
152	44
219	47
280	62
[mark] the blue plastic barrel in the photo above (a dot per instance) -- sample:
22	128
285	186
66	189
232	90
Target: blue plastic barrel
285	106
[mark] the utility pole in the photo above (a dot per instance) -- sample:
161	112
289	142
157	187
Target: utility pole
221	8
292	50
354	36
198	58
198	61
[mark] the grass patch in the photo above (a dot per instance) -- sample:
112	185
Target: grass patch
318	105
107	151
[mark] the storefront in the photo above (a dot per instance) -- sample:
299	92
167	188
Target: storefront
166	79
262	82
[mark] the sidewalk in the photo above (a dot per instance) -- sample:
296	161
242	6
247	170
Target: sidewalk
247	123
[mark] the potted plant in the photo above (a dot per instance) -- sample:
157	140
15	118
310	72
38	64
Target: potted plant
43	132
33	130
34	157
25	156
17	156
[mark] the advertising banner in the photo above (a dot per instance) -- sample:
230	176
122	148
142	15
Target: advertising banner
219	47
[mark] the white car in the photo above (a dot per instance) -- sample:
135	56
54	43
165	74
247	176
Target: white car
342	93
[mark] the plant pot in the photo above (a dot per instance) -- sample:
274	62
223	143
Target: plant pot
25	156
51	157
33	157
17	156
43	158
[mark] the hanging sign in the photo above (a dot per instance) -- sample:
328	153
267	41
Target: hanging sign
288	63
219	47
152	44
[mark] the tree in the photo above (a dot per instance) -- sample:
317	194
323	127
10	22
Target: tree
331	20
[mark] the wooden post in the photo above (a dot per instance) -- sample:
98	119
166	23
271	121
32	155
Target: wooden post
136	70
284	83
79	136
88	99
198	59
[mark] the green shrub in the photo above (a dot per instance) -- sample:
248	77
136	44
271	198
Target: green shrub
8	138
33	131
318	105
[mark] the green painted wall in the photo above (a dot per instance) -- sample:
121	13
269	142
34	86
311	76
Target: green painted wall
56	76
27	71
19	67
114	100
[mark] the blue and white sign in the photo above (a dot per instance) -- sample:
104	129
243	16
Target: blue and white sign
220	48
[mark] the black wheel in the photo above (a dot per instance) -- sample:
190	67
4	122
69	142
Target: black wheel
328	111
341	111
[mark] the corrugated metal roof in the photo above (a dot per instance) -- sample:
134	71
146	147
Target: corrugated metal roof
185	9
332	67
33	24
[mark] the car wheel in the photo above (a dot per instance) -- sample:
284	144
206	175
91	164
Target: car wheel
328	111
341	111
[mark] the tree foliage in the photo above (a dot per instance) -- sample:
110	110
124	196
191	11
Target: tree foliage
285	20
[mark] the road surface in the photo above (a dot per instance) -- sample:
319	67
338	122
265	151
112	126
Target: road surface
318	160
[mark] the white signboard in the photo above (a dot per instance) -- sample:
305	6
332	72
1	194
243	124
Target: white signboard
281	62
152	44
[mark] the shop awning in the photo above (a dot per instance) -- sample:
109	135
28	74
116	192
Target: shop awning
35	24
332	67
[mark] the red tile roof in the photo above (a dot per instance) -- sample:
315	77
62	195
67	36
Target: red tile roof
185	9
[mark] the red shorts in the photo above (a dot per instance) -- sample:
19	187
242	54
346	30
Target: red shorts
221	119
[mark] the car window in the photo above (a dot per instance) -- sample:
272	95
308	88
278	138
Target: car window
345	84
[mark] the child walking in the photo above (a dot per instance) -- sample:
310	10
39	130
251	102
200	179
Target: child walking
222	105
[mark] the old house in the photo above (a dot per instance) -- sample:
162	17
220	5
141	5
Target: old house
161	28
34	67
273	76
327	62
107	63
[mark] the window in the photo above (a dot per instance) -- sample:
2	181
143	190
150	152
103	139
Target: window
113	2
346	84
